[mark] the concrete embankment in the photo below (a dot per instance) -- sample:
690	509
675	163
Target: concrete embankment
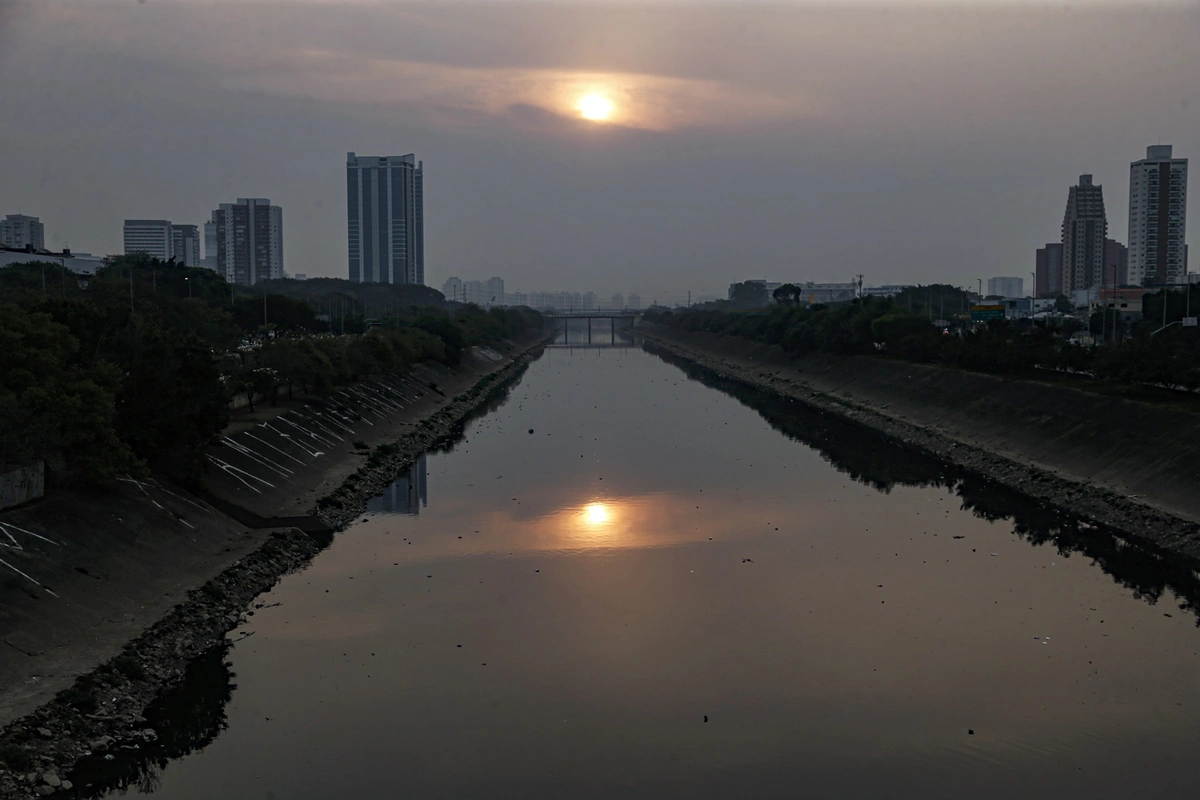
107	593
1129	464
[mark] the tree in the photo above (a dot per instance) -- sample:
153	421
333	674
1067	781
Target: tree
52	407
1063	304
787	293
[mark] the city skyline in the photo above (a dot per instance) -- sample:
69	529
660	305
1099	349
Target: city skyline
706	167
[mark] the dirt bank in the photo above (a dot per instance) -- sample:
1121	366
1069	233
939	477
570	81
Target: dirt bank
1129	465
110	593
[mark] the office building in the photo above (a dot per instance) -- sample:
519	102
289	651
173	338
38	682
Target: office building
154	237
1006	287
1047	276
22	233
249	237
385	219
185	245
1084	231
1157	218
635	301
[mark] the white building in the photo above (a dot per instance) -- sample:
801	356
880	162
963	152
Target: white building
154	237
453	289
385	219
249	237
83	263
1157	218
494	292
1006	287
889	290
22	232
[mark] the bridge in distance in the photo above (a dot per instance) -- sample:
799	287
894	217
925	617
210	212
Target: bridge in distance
611	316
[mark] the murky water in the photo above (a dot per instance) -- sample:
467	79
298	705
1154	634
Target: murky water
634	580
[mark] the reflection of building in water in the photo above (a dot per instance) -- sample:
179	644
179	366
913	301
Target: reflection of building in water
406	495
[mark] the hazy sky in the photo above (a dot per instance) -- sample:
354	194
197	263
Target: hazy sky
909	142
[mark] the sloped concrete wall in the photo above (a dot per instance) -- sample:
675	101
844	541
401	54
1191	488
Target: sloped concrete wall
22	484
1132	448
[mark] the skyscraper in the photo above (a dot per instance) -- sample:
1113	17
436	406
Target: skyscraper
249	240
1048	270
185	245
210	245
19	231
1116	263
154	237
385	219
1157	218
1084	230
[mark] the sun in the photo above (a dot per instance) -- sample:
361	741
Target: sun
595	514
595	107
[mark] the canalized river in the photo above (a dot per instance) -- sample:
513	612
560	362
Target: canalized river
633	579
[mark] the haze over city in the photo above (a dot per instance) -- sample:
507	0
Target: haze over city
912	144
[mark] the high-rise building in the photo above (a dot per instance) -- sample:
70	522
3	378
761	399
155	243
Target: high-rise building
494	292
618	301
210	245
453	289
635	300
1157	218
1048	278
1084	230
185	245
249	240
1116	263
154	237
385	219
1006	287
22	232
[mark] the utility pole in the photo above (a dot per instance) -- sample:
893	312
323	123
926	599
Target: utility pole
689	298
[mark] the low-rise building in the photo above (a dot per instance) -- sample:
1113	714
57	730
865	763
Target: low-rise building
1127	301
83	263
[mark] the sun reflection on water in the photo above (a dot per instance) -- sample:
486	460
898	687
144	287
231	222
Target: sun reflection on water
596	514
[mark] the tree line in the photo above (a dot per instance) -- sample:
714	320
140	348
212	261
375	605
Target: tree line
133	368
886	327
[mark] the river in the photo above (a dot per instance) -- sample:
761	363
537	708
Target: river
633	579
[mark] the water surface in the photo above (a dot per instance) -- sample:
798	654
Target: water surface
632	579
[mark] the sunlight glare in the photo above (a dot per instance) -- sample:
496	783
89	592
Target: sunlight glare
595	107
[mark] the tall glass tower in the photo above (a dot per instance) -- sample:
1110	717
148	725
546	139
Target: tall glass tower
385	219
